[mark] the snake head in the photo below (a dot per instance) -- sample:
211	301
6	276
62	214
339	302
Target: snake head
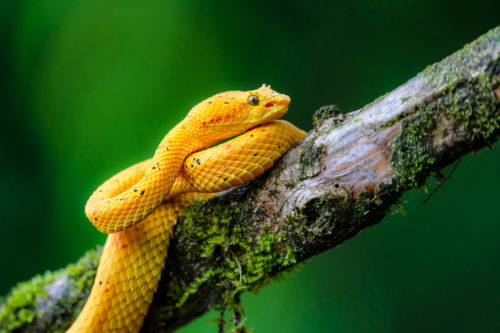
265	105
233	112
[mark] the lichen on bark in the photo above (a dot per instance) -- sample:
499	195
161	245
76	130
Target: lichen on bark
48	302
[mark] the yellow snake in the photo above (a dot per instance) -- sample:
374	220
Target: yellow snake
155	191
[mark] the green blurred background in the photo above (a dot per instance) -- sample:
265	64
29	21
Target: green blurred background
89	87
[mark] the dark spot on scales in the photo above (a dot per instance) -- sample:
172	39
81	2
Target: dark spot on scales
255	154
143	191
198	161
100	282
192	165
135	190
226	102
225	179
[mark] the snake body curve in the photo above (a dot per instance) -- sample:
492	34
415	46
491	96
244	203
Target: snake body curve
138	207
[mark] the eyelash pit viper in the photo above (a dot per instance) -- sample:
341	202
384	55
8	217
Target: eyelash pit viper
138	207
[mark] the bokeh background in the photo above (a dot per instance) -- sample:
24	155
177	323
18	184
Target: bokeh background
90	86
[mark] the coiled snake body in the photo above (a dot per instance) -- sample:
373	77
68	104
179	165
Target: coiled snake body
155	191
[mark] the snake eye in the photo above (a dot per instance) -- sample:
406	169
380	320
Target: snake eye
253	100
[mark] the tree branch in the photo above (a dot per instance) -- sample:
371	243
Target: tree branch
343	177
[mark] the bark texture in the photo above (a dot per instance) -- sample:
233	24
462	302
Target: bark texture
343	177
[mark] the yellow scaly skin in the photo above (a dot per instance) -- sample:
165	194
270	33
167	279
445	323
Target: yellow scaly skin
155	191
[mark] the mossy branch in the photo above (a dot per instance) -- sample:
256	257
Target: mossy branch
343	177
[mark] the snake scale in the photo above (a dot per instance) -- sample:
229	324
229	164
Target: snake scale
138	207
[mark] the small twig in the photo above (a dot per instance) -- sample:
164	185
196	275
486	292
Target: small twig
238	323
441	180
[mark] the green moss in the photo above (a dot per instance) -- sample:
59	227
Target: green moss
411	157
19	307
465	103
310	159
245	263
327	112
394	120
472	56
357	120
317	219
252	262
465	106
193	287
454	72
